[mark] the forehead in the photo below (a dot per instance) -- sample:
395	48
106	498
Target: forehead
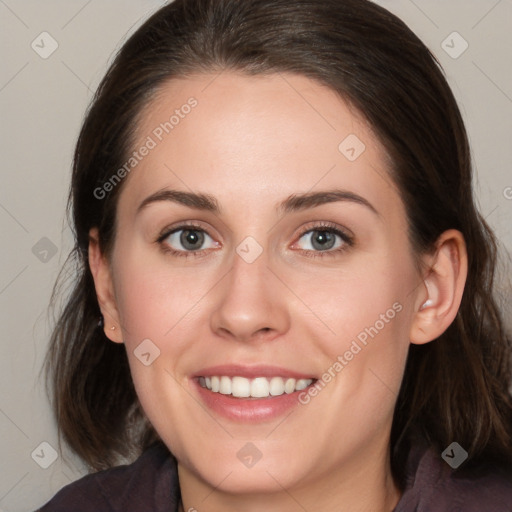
255	138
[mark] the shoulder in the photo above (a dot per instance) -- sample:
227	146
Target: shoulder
432	485
150	483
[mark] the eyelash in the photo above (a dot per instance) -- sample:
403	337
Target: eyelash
180	254
348	241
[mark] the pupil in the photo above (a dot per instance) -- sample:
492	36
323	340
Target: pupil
191	239
323	240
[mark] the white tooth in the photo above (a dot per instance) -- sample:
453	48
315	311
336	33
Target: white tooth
289	386
302	384
225	385
215	384
259	387
240	387
276	386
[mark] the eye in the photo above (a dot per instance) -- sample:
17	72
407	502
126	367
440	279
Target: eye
187	239
324	239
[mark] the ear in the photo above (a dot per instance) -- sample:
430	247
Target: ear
440	297
103	283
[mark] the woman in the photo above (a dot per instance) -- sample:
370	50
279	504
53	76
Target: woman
283	278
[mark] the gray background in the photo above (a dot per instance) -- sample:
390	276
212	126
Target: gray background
42	103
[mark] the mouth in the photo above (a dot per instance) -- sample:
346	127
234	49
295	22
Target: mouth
259	387
251	394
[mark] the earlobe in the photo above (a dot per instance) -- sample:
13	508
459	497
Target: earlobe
443	288
103	284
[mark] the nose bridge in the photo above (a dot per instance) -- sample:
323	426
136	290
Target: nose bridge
247	304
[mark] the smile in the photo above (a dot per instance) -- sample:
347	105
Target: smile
251	393
259	387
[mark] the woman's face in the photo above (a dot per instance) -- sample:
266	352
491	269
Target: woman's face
262	248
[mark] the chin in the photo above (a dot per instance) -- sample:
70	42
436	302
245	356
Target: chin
269	474
252	481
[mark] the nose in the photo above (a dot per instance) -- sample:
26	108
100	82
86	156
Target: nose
250	304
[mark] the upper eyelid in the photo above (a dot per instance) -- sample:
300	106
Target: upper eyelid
167	232
313	227
347	240
193	225
346	234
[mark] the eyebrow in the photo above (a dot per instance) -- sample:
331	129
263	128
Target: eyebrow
203	202
295	202
298	202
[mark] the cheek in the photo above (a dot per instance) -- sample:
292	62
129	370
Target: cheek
364	332
159	306
154	298
359	302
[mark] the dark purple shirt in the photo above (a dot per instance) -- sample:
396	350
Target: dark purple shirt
150	484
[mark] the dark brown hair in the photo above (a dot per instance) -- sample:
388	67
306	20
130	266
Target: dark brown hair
455	388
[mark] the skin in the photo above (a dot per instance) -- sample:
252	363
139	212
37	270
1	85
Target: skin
252	142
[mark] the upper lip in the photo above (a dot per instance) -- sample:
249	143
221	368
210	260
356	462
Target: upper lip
251	372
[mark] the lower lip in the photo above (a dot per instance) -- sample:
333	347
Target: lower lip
249	410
